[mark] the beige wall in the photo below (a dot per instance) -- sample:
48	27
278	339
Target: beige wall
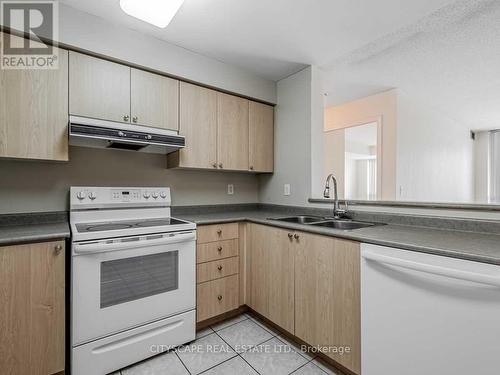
30	186
292	143
369	109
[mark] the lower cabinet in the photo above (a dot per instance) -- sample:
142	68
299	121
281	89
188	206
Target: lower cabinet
308	285
327	297
271	274
217	270
32	314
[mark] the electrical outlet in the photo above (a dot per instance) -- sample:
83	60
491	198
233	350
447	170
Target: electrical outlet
286	189
230	189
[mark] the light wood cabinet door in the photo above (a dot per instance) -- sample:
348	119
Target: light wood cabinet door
198	123
271	271
327	296
216	297
34	112
232	132
98	88
261	137
32	318
154	100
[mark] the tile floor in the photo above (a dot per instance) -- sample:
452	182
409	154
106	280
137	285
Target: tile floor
241	345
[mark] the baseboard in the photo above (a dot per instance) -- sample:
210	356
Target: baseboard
219	318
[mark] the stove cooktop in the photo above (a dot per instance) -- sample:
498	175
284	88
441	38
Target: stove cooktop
126	224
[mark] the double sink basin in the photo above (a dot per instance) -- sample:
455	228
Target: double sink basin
319	221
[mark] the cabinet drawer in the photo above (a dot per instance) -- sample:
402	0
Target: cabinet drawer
217	232
216	297
217	269
216	250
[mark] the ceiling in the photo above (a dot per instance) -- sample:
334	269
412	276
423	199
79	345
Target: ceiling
447	62
275	38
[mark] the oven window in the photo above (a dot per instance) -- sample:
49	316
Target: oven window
130	279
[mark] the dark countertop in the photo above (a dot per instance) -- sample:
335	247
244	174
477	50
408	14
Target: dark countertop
475	246
23	228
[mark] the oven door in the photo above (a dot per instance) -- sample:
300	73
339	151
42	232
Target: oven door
124	283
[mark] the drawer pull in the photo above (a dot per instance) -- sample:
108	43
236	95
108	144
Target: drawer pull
219	249
219	297
219	268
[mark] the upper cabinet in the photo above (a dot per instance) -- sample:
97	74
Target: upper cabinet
98	88
232	132
261	137
105	90
34	112
198	123
223	132
154	100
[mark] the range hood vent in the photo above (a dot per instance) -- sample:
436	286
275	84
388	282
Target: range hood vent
89	132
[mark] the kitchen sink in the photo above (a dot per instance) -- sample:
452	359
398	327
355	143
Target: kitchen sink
300	219
343	224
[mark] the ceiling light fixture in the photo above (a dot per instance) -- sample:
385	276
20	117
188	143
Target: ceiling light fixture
155	12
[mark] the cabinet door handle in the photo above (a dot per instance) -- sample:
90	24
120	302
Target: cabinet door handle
220	165
296	236
214	165
57	249
219	297
126	118
219	268
135	119
219	249
219	231
251	167
290	236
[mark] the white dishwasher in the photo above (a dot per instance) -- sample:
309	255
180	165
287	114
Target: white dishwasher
428	314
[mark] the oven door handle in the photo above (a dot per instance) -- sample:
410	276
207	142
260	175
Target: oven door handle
101	247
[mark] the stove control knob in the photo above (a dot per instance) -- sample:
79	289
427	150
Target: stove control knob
81	195
155	195
163	194
92	195
146	195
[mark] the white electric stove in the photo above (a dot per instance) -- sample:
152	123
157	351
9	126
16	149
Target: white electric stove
133	277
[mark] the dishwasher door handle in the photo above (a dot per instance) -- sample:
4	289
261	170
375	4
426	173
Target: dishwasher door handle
451	273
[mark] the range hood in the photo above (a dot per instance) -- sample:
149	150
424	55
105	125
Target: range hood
89	132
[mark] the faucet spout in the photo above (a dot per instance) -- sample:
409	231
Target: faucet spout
326	193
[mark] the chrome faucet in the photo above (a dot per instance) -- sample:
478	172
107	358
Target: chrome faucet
337	212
